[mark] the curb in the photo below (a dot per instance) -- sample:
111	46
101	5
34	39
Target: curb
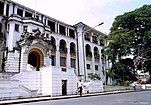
27	100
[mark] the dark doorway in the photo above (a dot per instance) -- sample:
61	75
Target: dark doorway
64	87
34	59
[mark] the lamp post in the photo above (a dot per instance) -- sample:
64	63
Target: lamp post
83	45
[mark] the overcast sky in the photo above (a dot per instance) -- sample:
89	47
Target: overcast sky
90	12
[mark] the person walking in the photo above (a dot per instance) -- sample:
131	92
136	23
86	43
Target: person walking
80	87
134	85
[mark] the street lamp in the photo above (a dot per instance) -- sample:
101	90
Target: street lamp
83	45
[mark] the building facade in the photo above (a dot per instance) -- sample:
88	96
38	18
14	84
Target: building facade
44	56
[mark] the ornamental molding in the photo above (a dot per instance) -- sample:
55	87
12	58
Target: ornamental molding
36	37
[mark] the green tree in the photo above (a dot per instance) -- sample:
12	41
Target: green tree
131	35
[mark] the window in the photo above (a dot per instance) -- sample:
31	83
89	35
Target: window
63	61
62	30
27	14
73	63
20	12
25	28
101	42
96	67
17	27
37	17
87	36
63	69
51	25
53	62
71	33
94	39
1	7
88	66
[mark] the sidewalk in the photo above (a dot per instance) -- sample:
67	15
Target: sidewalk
27	100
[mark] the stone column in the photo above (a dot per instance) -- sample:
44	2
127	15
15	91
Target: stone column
80	51
33	14
23	12
48	59
44	20
58	28
15	9
10	36
5	6
68	56
66	31
91	38
93	60
10	9
57	54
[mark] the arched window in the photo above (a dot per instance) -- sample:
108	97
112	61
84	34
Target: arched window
53	43
63	47
96	52
72	48
88	51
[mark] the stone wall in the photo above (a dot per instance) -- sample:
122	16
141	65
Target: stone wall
12	63
9	89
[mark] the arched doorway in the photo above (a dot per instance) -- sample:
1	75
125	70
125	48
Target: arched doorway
35	58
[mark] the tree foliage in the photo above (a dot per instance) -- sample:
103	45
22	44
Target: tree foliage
131	35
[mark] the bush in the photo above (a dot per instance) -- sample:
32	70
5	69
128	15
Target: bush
127	83
94	76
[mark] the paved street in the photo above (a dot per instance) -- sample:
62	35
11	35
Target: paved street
134	98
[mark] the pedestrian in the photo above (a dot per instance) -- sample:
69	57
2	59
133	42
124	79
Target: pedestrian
80	87
134	85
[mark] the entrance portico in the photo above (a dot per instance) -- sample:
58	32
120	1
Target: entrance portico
36	58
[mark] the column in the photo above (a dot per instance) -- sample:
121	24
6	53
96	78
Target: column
15	9
68	56
10	9
66	29
58	28
23	12
80	50
57	53
48	59
44	20
5	6
10	37
33	14
93	60
91	39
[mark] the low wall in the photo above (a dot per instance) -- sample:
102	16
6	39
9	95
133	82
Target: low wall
93	86
58	75
9	89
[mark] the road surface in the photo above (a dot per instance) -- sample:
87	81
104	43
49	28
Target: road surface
133	98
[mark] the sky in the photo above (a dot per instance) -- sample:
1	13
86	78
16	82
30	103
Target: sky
90	12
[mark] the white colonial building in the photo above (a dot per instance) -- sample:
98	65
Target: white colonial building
44	56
